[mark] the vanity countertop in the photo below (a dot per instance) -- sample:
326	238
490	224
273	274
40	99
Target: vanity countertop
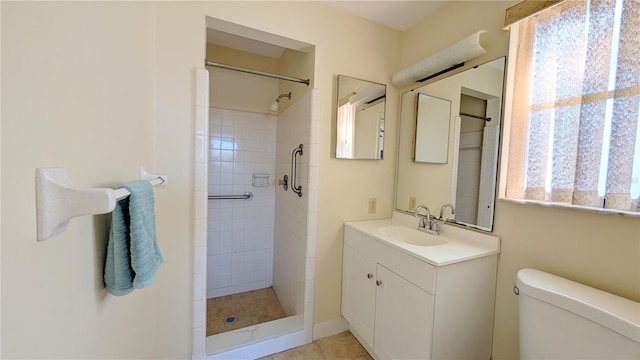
461	244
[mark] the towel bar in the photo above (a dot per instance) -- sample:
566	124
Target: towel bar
58	199
123	193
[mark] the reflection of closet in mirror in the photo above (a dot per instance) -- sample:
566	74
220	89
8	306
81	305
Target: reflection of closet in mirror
359	119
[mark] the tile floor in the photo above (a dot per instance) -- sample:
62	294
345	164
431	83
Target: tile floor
342	346
249	308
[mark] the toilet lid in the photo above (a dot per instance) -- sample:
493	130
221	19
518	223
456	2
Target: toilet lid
615	312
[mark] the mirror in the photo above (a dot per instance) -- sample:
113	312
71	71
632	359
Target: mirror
433	116
466	178
359	119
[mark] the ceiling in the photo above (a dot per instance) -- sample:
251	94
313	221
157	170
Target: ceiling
396	14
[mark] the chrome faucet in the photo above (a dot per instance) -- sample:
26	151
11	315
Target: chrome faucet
453	212
422	223
426	224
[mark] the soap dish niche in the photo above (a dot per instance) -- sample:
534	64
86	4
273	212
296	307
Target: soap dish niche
260	180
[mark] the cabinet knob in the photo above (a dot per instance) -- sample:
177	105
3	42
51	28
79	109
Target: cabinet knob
378	282
369	275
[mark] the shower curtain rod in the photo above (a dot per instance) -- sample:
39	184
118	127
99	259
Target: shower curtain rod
256	72
476	116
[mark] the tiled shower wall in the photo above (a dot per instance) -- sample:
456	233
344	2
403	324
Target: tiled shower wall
240	232
301	293
295	225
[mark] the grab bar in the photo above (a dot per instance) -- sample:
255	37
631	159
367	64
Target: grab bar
294	169
247	196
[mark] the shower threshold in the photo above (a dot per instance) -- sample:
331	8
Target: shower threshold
268	338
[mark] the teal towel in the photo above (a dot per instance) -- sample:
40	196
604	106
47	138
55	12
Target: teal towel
133	255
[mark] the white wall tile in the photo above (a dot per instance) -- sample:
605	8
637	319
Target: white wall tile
288	250
200	211
246	143
199	313
198	288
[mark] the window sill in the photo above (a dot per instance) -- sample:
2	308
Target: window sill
588	209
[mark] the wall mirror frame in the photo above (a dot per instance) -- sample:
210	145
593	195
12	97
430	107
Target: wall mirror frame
468	177
360	115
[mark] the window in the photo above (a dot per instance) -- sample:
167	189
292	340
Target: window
576	106
346	124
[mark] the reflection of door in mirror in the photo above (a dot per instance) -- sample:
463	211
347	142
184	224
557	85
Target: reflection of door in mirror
472	125
477	157
359	119
468	178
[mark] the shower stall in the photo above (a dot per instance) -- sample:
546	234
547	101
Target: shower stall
260	233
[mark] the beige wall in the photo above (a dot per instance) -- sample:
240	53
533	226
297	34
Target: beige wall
299	64
237	90
101	88
367	131
602	251
79	94
431	184
350	46
101	103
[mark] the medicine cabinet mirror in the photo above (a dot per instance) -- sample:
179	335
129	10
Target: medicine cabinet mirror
433	116
465	175
359	119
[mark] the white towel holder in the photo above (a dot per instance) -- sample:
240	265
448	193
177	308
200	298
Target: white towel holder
59	200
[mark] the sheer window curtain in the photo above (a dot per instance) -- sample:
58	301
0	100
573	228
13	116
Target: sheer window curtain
576	97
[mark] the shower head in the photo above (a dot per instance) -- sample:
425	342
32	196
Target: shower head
274	106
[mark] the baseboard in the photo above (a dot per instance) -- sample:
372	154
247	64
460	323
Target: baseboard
329	328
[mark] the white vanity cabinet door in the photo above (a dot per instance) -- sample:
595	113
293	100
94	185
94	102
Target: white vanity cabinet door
359	292
404	318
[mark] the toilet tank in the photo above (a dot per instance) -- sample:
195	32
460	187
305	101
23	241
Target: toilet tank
562	319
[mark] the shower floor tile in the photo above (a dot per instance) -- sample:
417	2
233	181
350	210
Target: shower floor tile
249	308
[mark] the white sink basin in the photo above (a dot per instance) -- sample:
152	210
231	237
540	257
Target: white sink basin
454	244
411	236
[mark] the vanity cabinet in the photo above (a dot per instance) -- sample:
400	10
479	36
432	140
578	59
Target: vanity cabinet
401	307
376	297
404	313
359	292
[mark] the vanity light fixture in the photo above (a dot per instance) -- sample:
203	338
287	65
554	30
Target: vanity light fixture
368	95
441	62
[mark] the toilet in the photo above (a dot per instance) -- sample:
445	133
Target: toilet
562	319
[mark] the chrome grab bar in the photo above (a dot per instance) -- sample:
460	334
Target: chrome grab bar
294	169
247	196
